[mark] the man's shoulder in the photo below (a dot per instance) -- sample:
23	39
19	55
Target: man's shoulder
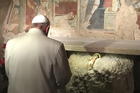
11	41
55	41
14	40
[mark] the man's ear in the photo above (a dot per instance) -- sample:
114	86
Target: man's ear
40	26
47	28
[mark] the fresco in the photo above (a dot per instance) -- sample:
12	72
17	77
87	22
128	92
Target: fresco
103	19
34	7
11	22
98	14
65	14
94	18
86	14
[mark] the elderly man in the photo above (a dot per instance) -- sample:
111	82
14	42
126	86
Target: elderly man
35	63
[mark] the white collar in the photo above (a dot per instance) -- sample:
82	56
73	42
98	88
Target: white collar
35	31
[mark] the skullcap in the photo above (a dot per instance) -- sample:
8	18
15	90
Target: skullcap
40	19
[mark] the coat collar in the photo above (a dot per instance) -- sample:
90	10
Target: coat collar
35	31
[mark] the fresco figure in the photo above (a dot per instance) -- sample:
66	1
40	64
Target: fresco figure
97	18
92	5
94	15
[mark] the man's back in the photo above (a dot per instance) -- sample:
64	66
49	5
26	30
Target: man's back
31	63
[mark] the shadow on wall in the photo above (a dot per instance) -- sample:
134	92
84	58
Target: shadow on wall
100	45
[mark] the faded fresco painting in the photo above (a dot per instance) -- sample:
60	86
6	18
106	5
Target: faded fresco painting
34	7
99	14
12	19
11	24
65	14
78	18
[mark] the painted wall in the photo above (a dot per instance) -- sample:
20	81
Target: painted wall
103	19
74	18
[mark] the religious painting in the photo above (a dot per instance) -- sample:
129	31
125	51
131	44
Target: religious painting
98	15
34	7
12	23
65	14
13	16
94	18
